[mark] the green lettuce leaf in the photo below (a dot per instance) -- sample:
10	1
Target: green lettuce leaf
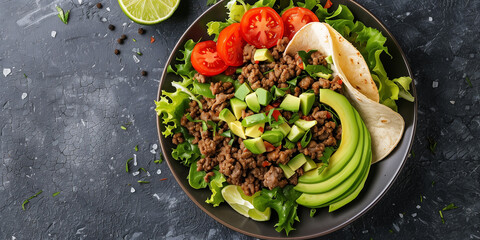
216	185
170	108
309	4
283	201
185	69
186	152
196	178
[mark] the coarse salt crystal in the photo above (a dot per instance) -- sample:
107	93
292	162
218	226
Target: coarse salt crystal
414	214
407	13
434	84
148	174
53	34
136	173
134	159
24	95
159	171
430	19
132	190
452	102
365	231
418	206
80	1
135	59
7	71
401	215
108	9
156	196
103	19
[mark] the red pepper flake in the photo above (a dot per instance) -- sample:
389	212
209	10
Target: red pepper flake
328	4
261	129
268	108
230	71
340	81
266	164
268	146
276	114
299	145
276	104
257	62
329	115
163	179
152	39
299	61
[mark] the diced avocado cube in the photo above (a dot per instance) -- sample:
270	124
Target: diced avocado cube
237	106
279	92
306	102
297	161
243	91
295	134
226	115
263	54
287	171
264	96
304	124
323	75
237	129
252	102
255	130
290	103
255	145
284	128
273	137
309	165
254	119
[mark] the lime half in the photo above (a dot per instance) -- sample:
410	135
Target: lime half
243	204
148	12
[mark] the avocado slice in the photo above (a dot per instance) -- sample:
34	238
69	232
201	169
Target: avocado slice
263	54
243	91
226	115
284	128
304	124
350	136
254	119
264	96
290	103
279	92
323	75
306	102
295	134
273	136
237	106
287	171
255	145
237	129
297	161
254	131
309	165
252	102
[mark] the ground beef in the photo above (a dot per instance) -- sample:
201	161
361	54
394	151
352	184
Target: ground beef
314	150
278	156
274	177
248	53
280	48
200	78
221	87
177	138
306	82
317	59
207	177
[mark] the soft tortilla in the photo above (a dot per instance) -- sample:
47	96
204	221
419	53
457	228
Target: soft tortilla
385	125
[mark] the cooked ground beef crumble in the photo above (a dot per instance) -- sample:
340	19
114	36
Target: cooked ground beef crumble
234	161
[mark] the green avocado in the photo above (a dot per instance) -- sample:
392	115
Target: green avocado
237	129
264	96
350	137
252	102
304	124
226	115
237	106
279	92
287	171
273	136
309	165
254	119
284	128
243	91
263	54
306	102
323	75
254	131
295	134
297	161
290	103
255	145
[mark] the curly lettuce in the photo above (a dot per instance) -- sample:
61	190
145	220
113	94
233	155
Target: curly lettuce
216	185
170	109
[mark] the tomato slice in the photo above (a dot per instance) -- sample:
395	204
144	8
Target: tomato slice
295	18
262	27
205	59
230	45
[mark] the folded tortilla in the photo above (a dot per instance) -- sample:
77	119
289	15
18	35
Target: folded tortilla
385	125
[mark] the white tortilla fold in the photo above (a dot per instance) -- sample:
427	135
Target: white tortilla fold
385	125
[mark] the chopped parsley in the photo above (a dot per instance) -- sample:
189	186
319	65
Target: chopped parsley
123	128
136	148
467	79
126	165
141	181
63	16
139	53
133	39
55	194
142	169
449	207
30	198
432	144
158	161
441	216
25	75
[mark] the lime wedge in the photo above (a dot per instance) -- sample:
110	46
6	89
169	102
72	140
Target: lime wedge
243	204
148	12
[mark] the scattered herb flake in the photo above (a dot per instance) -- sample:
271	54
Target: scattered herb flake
449	207
123	128
312	212
441	216
133	39
30	198
432	144
126	165
62	16
163	179
136	148
143	169
139	54
25	75
152	39
141	181
433	183
158	161
412	153
468	81
421	198
390	230
55	194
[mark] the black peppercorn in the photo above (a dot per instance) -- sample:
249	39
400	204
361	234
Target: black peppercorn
144	73
120	41
141	31
111	27
99	5
117	51
123	37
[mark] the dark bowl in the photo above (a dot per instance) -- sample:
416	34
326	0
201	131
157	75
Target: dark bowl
382	174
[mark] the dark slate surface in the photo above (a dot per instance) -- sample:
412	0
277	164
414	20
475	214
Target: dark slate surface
60	126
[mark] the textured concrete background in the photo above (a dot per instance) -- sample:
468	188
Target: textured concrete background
66	97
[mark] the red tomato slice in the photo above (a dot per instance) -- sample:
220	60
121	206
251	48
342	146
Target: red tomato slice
230	45
205	59
295	18
262	27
